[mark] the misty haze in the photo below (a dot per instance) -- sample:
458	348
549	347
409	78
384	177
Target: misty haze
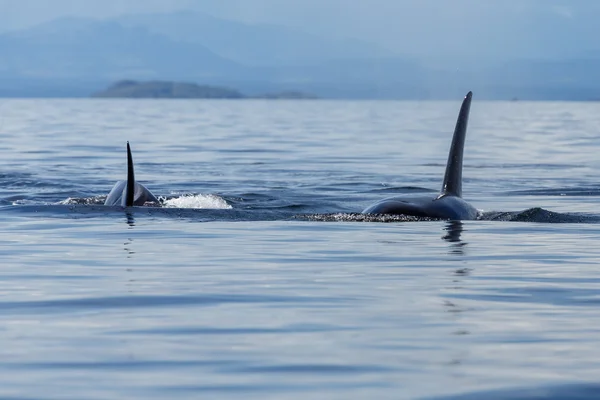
432	49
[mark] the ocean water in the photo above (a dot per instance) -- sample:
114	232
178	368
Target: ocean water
257	279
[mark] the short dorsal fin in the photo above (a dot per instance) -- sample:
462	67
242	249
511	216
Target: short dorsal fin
453	177
130	188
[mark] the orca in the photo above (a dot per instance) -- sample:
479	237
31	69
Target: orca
449	204
130	193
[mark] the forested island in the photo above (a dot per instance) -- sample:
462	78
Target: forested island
184	90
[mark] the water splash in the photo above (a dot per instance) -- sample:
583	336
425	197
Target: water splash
537	214
356	217
96	200
23	202
196	201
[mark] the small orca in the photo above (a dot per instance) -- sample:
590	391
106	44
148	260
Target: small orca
129	193
449	203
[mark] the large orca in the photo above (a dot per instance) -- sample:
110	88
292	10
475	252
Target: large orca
449	203
129	193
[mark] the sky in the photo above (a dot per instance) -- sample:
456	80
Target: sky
411	27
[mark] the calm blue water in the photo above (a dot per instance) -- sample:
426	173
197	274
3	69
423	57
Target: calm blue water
238	289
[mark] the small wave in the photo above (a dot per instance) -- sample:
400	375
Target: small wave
582	191
402	189
197	201
575	391
539	215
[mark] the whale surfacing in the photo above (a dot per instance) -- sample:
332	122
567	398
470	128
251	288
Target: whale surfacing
129	193
449	203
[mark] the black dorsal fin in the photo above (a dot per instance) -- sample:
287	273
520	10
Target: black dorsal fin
453	177
130	188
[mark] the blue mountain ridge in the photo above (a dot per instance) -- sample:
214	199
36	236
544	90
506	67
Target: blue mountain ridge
78	56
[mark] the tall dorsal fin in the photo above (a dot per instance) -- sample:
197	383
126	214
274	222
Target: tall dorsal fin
130	188
453	177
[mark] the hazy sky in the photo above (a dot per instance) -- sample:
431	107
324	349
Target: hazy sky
407	26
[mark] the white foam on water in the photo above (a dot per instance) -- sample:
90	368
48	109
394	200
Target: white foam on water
25	202
197	201
97	200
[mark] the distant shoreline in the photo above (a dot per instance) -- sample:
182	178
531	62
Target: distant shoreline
131	89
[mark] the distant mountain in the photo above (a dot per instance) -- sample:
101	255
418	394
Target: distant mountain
71	48
253	44
76	56
183	90
167	90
